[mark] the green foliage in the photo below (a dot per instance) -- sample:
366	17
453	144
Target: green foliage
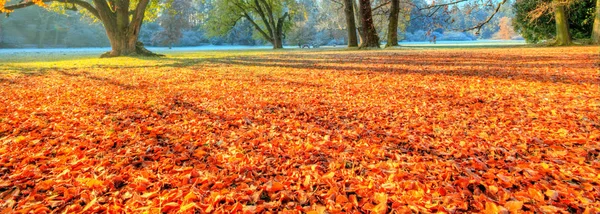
227	13
580	16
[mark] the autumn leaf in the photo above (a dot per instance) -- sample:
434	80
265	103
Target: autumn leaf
514	206
169	207
422	131
275	186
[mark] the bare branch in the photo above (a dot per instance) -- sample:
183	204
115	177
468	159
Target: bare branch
441	5
481	24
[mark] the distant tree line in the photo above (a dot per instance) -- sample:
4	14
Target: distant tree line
123	24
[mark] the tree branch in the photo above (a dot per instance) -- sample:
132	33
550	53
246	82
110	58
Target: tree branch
257	27
80	3
381	5
442	5
481	24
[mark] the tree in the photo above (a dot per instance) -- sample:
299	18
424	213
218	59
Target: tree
122	20
596	29
392	34
271	18
506	30
1	33
350	23
535	20
173	21
370	38
562	25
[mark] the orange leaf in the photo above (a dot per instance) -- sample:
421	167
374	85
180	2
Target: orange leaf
341	199
187	207
169	206
275	186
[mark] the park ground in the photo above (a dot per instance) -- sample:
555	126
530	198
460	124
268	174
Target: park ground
425	130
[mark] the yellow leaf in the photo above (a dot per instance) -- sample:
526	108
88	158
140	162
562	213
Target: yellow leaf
89	205
514	206
381	198
491	208
380	208
545	166
190	196
19	139
536	194
329	175
562	132
483	135
553	195
149	195
549	209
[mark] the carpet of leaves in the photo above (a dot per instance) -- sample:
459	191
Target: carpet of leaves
456	130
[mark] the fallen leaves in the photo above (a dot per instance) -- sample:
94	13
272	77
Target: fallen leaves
483	130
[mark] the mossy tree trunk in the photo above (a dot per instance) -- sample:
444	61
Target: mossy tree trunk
562	25
596	30
392	35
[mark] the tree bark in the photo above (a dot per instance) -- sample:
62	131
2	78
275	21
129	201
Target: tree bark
392	35
358	19
562	25
278	37
122	28
350	23
371	40
596	31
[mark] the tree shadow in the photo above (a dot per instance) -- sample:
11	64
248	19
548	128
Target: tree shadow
527	67
90	76
500	66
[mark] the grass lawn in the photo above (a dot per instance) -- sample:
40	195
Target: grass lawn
411	130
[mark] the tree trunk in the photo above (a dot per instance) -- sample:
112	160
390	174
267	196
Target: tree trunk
122	27
278	37
1	33
358	18
350	23
392	35
371	40
56	32
596	31
43	31
562	25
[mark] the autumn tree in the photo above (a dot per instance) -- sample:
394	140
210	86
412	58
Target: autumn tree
174	20
271	18
122	20
506	30
569	19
